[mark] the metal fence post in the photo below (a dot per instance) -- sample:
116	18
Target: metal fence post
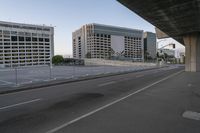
16	77
50	72
104	67
74	71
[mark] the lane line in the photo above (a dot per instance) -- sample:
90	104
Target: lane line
107	83
19	104
110	104
191	115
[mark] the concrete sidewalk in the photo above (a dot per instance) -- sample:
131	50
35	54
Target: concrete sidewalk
171	106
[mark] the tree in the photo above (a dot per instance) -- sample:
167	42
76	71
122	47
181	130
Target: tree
166	56
157	54
149	58
57	59
111	53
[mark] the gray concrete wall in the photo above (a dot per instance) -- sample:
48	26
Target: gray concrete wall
192	45
115	63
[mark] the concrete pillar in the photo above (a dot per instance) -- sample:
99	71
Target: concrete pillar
192	46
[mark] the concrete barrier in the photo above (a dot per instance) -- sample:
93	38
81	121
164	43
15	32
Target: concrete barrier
101	62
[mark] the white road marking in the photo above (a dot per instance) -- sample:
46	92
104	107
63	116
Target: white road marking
107	83
109	104
18	104
191	115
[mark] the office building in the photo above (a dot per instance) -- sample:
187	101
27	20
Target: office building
107	42
150	45
25	44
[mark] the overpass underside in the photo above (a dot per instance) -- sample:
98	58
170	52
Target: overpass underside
179	19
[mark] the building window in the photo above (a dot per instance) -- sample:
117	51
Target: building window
40	39
46	39
34	39
13	38
28	39
21	38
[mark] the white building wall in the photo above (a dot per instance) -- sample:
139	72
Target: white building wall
25	52
117	44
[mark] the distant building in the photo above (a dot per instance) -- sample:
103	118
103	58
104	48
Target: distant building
25	44
107	42
150	44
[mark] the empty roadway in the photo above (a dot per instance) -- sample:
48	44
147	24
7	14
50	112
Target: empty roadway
49	108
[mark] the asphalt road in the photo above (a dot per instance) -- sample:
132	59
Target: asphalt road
104	105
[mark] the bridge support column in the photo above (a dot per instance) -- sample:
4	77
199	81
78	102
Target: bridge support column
192	55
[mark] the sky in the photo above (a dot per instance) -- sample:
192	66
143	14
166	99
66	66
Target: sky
69	15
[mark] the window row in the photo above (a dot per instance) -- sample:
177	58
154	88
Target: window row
28	39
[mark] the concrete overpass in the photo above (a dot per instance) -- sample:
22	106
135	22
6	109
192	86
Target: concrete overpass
180	19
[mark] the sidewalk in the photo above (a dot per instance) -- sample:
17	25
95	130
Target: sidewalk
162	108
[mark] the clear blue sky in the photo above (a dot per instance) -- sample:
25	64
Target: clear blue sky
69	15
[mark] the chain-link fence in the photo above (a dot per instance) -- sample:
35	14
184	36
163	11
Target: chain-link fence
27	75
